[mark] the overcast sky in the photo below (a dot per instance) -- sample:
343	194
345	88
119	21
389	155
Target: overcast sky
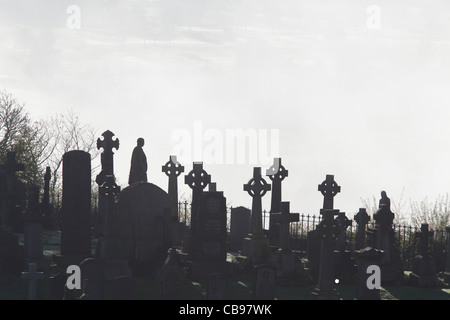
358	89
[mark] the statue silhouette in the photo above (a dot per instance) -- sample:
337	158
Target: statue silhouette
138	170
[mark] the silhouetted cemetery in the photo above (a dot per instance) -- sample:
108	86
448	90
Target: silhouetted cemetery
141	244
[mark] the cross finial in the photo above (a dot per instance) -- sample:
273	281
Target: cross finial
329	188
257	186
362	218
277	171
172	167
197	178
108	143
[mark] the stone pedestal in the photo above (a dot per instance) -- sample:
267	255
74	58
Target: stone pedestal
367	257
424	272
11	253
345	266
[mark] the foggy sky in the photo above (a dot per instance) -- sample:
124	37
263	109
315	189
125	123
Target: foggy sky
367	105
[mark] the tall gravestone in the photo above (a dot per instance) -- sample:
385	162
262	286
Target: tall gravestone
12	196
76	204
33	231
46	206
108	144
288	263
256	246
264	284
276	173
362	219
424	264
197	179
171	277
383	238
210	251
93	271
366	258
217	286
173	169
345	266
239	226
327	232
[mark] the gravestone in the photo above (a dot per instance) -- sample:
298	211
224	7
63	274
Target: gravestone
362	219
93	270
173	169
12	194
383	238
264	283
124	288
209	254
329	188
327	232
57	283
143	218
276	173
109	248
367	257
345	267
256	242
32	275
239	226
107	169
197	179
284	218
76	204
33	231
50	222
217	286
171	277
424	264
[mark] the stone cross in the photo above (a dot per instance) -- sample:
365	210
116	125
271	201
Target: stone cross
424	235
276	173
197	179
329	189
32	276
327	231
284	218
107	160
362	219
173	169
257	187
343	223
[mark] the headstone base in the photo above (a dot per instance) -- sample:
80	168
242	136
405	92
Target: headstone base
423	281
345	266
320	294
116	268
391	275
424	272
199	270
290	269
11	253
445	276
